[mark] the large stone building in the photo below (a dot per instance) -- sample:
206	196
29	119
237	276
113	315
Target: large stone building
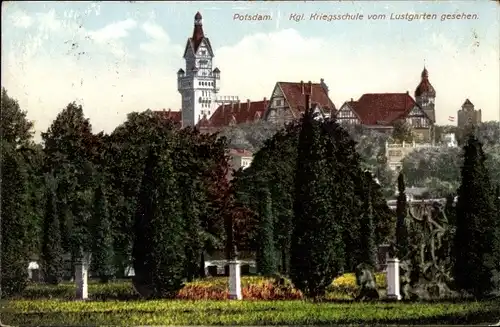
198	84
381	111
468	116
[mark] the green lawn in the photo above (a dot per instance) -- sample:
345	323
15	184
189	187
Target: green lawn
177	312
117	304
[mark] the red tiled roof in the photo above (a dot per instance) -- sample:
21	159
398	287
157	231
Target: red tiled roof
382	108
296	100
175	116
236	113
240	153
425	85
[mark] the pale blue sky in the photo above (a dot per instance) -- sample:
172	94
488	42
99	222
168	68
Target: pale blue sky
125	55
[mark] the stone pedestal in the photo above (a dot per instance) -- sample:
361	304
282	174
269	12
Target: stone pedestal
81	278
393	291
235	280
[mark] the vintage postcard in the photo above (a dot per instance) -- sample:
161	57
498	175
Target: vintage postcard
217	163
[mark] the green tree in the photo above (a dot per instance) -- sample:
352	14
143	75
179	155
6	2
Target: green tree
497	225
317	249
402	245
17	131
367	240
402	132
69	148
266	253
102	249
159	247
52	251
15	128
474	237
15	242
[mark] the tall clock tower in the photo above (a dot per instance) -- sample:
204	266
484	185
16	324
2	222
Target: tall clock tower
198	82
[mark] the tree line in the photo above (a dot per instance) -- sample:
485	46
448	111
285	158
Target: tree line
158	197
147	194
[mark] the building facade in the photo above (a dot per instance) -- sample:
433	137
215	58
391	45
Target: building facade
468	116
287	101
198	83
381	111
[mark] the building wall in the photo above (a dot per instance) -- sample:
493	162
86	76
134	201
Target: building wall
467	117
278	111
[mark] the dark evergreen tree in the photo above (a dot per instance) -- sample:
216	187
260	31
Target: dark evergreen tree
266	252
367	240
402	245
159	247
317	248
194	241
497	225
474	259
15	243
449	209
102	250
52	250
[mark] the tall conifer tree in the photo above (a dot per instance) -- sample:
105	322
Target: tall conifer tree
402	246
266	252
474	243
52	250
159	247
316	249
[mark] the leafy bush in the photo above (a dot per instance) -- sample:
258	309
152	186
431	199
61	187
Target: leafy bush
212	288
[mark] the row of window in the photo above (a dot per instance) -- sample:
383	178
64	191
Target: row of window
204	83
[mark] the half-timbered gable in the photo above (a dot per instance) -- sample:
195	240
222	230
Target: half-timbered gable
347	115
287	101
382	110
417	118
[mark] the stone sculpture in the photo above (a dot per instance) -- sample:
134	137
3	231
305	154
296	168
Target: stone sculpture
365	279
426	269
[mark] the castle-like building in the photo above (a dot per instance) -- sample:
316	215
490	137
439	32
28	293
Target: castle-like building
202	106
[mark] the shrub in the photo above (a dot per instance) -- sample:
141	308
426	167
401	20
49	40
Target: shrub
212	288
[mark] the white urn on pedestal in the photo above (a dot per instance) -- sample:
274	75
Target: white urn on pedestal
393	282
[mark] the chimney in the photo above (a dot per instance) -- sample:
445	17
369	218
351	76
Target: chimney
352	100
324	86
248	104
310	88
302	86
407	92
239	106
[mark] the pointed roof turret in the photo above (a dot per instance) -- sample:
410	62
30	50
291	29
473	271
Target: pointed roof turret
198	36
425	86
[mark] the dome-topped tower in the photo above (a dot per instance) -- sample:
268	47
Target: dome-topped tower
425	95
425	86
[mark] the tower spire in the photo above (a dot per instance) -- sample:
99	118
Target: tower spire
198	34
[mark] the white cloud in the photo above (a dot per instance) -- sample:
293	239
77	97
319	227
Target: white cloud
159	41
21	19
110	88
114	31
154	31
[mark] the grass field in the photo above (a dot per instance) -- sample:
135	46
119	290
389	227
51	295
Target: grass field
178	312
264	304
